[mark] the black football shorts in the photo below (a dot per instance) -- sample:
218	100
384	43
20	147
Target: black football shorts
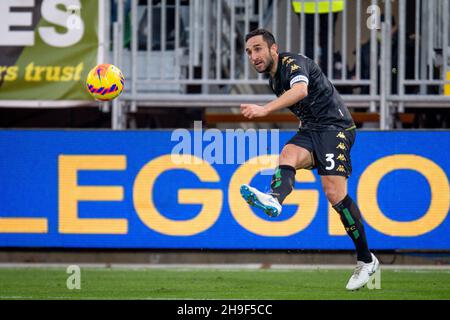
330	149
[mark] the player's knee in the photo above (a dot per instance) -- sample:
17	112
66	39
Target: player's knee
333	194
296	157
288	156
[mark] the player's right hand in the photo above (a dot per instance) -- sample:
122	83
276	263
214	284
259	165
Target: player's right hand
251	111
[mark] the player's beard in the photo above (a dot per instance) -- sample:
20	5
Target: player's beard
269	66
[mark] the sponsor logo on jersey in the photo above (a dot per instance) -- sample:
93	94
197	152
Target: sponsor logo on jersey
341	135
287	60
341	157
341	146
294	68
340	168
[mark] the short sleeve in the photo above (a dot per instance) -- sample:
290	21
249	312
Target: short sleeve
297	70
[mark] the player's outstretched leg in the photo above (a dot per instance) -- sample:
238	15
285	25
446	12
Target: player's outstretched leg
281	185
282	182
266	202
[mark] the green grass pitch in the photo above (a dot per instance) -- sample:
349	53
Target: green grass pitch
294	284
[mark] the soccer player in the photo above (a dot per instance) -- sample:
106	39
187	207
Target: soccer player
323	141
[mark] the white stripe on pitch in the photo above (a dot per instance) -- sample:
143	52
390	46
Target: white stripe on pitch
233	266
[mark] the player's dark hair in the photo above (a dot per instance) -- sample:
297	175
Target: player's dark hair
267	36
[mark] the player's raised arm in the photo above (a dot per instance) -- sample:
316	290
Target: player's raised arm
297	93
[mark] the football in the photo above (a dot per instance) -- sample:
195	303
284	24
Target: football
105	82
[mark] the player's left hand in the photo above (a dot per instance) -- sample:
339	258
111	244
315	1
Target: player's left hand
251	111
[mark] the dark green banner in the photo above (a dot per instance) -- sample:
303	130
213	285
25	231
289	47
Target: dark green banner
47	47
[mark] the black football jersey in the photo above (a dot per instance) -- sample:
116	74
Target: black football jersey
323	107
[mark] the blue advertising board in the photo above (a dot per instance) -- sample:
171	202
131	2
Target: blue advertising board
104	189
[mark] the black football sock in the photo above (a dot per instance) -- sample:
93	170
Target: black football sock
282	182
351	218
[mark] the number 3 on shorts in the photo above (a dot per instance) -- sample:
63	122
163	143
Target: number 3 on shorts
329	159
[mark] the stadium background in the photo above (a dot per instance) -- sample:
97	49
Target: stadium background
178	70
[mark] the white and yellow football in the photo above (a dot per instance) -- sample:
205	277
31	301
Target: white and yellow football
105	82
